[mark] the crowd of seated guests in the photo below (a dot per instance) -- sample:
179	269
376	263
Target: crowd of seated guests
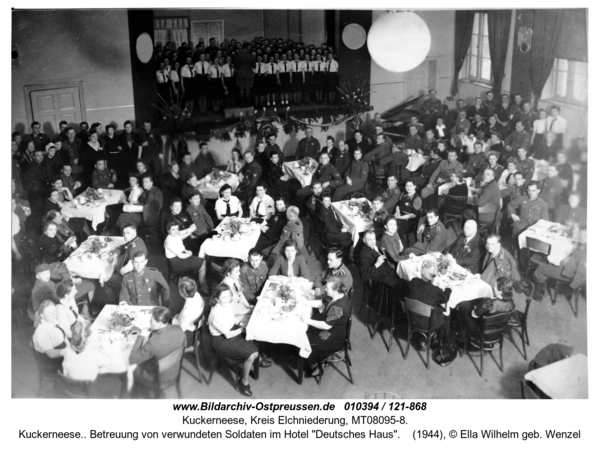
263	71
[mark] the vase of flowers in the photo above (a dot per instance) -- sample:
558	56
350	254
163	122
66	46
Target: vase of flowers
288	297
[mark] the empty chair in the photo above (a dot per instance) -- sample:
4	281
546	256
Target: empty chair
489	336
419	320
518	323
454	207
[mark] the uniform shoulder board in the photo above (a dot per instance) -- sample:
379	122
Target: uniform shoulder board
153	269
133	244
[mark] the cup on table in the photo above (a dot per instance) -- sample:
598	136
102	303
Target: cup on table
100	191
296	165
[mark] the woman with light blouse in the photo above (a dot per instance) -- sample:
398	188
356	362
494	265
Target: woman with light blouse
179	259
49	338
241	307
227	205
67	312
192	309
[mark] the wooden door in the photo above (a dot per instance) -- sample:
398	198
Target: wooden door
214	29
199	33
50	107
204	31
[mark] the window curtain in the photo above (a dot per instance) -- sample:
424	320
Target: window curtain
462	39
179	36
160	37
499	32
546	33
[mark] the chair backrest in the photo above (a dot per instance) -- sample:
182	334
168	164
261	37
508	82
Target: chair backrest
488	214
492	326
357	195
348	328
75	388
454	205
169	367
526	312
416	311
539	246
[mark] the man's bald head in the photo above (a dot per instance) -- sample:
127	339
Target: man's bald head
470	228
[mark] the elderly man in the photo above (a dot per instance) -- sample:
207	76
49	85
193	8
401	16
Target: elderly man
465	250
373	264
308	146
498	263
432	236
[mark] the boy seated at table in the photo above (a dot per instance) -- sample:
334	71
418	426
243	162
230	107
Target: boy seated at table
103	177
380	217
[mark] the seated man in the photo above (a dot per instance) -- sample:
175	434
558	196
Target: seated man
408	210
190	188
397	161
68	181
315	201
572	270
519	138
103	177
249	178
413	141
391	194
293	230
335	268
498	263
526	212
272	230
475	161
203	221
565	171
143	215
552	189
356	177
380	217
373	264
572	212
326	174
124	255
253	275
204	162
176	214
142	285
432	236
441	174
280	181
186	168
262	206
488	199
337	233
466	249
379	156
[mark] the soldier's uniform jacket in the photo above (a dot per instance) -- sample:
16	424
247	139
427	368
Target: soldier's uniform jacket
332	224
314	203
414	143
474	165
125	252
200	218
292	230
308	148
101	179
342	161
390	199
341	272
527	119
252	280
518	140
252	173
427	146
328	173
358	172
431	106
143	289
530	211
434	238
498	170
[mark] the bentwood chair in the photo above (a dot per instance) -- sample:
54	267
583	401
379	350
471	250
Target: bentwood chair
169	372
518	323
490	336
340	356
454	206
419	320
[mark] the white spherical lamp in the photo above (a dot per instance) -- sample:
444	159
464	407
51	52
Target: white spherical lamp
399	41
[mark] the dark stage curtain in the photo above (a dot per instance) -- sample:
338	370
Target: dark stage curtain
546	33
462	39
499	31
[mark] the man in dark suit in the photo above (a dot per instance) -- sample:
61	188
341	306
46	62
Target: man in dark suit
337	233
373	266
152	148
129	144
466	250
149	213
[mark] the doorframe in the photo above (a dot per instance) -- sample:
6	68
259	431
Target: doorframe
222	22
41	87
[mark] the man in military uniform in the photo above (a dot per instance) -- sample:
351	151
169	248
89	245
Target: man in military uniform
431	109
442	173
326	174
253	275
292	230
103	177
453	114
428	143
315	201
490	104
39	139
272	147
413	141
526	212
552	189
251	174
342	159
186	168
498	263
204	162
462	126
142	286
149	213
124	255
527	117
335	268
391	194
519	138
475	161
337	233
433	236
152	147
386	139
68	181
356	176
518	189
308	146
176	214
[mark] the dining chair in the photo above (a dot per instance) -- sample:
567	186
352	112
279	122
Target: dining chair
339	356
553	285
454	206
518	323
490	336
419	320
169	372
538	254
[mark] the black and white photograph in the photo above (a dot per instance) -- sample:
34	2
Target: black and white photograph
299	204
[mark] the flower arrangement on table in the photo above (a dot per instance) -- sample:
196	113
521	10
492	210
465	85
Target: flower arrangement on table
308	165
92	195
362	208
118	321
288	298
235	227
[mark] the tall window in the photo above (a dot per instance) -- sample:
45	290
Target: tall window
568	82
478	64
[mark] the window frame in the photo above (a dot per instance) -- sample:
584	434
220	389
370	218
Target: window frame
478	54
550	89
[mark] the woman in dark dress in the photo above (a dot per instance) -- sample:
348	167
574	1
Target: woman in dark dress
171	183
327	327
408	211
227	336
459	188
51	247
90	153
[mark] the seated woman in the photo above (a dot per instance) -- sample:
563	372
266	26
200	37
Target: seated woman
327	327
49	339
459	188
271	231
292	265
227	336
423	290
408	210
67	312
236	163
391	243
146	353
192	309
52	249
507	178
240	305
280	182
227	205
471	311
54	202
84	363
180	260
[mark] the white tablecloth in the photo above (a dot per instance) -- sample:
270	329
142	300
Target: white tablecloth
445	188
304	178
225	247
91	266
415	161
266	324
95	214
210	191
553	233
466	290
115	344
355	223
565	379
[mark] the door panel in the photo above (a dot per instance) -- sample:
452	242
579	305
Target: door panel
51	106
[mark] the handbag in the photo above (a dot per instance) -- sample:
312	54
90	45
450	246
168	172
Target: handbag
445	352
